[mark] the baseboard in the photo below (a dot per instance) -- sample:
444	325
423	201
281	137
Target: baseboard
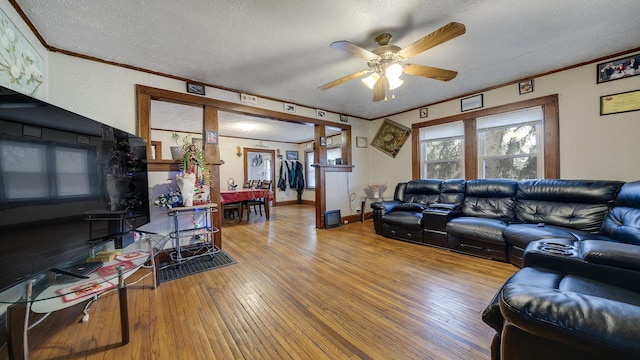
295	202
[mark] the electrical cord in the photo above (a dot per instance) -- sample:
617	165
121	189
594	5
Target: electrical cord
85	312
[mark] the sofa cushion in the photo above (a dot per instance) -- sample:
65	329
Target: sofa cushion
623	221
490	198
452	191
422	191
480	229
576	204
404	218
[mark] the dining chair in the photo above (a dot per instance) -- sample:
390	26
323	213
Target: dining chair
259	202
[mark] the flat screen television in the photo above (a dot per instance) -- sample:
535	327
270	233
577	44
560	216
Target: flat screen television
67	183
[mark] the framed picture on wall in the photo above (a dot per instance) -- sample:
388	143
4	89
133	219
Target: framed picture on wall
471	103
390	137
618	69
292	155
525	87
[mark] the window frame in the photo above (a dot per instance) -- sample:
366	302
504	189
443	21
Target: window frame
551	139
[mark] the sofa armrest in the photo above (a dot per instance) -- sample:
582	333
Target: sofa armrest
621	255
385	206
610	262
607	328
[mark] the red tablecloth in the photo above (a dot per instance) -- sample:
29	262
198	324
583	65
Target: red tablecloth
244	194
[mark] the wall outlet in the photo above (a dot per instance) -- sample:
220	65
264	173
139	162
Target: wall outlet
249	98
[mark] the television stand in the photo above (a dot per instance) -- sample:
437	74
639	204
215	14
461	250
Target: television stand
44	295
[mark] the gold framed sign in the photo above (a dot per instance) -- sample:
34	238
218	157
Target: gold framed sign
620	103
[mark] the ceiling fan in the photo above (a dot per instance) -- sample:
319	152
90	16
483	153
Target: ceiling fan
384	62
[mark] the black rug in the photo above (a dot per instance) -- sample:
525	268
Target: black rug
200	264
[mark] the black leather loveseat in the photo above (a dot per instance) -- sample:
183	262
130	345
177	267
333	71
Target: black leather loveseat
498	218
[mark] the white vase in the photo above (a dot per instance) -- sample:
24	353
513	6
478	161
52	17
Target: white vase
187	185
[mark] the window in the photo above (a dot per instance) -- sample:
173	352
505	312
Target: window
310	171
517	141
510	146
442	151
39	165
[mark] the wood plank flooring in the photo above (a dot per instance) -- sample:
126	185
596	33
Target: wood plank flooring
295	293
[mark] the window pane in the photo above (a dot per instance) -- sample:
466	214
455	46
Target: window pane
310	180
517	168
443	158
444	149
24	170
514	140
72	171
444	170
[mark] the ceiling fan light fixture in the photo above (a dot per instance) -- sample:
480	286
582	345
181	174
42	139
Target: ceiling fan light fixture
370	80
395	83
394	71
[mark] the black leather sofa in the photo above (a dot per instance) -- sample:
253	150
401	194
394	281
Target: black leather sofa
575	299
498	218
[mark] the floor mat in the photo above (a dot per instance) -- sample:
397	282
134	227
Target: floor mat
194	266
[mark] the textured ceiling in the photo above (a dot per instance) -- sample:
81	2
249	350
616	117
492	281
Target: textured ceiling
280	48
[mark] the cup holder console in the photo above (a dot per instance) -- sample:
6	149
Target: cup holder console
553	248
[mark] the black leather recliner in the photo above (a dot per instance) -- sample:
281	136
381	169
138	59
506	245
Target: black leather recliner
402	218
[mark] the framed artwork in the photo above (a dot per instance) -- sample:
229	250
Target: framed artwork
292	155
618	69
390	137
424	112
471	103
290	108
620	103
323	141
344	118
525	87
321	114
195	88
212	137
361	141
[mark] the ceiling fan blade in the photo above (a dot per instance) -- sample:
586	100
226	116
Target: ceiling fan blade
380	89
430	72
445	33
353	50
344	79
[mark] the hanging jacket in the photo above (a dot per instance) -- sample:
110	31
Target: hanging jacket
291	174
282	182
299	180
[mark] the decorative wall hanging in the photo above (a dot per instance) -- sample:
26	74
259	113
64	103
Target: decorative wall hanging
424	112
321	114
390	137
618	69
471	102
525	87
620	103
195	88
292	155
20	64
290	108
361	141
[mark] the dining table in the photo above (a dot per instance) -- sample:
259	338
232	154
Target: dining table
240	195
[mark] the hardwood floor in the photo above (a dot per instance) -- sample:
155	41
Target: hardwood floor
295	293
